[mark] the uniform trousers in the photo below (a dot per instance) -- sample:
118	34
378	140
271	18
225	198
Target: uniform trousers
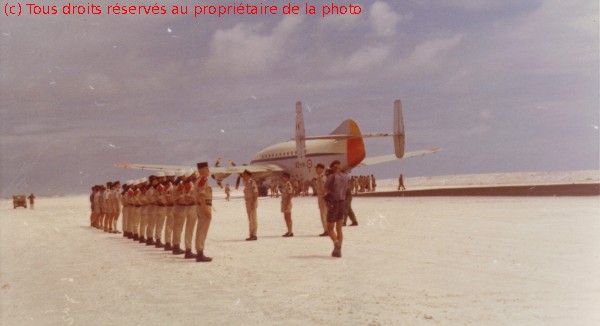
169	223
190	223
202	229
179	221
161	213
252	220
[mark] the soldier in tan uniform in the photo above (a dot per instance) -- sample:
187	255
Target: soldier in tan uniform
190	212
116	203
161	208
107	207
134	197
320	189
179	211
143	209
125	208
170	198
251	198
151	209
203	209
287	192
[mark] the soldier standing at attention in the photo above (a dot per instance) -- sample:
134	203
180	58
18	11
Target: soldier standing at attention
161	209
204	205
125	209
107	207
134	197
152	209
190	213
251	198
287	192
92	205
116	202
320	189
179	211
143	209
169	192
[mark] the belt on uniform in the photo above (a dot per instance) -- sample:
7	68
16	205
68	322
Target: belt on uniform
161	205
138	205
170	205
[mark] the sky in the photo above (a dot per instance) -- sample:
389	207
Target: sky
500	86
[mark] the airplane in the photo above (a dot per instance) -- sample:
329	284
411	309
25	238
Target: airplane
300	155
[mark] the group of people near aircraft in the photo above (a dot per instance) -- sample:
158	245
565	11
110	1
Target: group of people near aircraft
180	202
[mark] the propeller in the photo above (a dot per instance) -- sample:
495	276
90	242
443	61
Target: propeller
217	164
239	178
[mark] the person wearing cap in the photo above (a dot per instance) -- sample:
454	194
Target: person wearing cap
179	211
143	200
161	208
134	217
190	212
169	196
287	192
116	204
93	207
107	207
203	209
336	185
251	198
320	190
151	210
125	208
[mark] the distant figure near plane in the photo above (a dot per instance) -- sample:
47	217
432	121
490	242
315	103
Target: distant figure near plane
228	192
401	182
31	200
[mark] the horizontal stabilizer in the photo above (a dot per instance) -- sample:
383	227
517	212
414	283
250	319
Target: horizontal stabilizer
392	157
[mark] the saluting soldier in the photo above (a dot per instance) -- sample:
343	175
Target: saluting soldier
179	212
190	213
287	192
251	198
203	210
170	198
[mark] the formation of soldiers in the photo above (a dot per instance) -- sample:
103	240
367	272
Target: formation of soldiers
180	203
164	201
362	183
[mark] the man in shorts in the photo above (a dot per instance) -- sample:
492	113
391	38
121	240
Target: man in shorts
335	188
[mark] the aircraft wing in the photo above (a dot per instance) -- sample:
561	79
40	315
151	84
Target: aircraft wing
392	157
213	170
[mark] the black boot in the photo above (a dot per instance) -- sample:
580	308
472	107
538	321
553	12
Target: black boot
168	247
142	239
159	244
124	234
177	250
150	242
135	237
201	258
189	254
129	235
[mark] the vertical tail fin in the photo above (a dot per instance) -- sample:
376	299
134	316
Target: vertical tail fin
398	129
300	141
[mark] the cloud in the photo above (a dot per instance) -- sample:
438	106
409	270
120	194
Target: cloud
245	49
361	60
428	55
384	19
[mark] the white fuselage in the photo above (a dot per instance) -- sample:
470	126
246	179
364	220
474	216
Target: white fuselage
317	151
